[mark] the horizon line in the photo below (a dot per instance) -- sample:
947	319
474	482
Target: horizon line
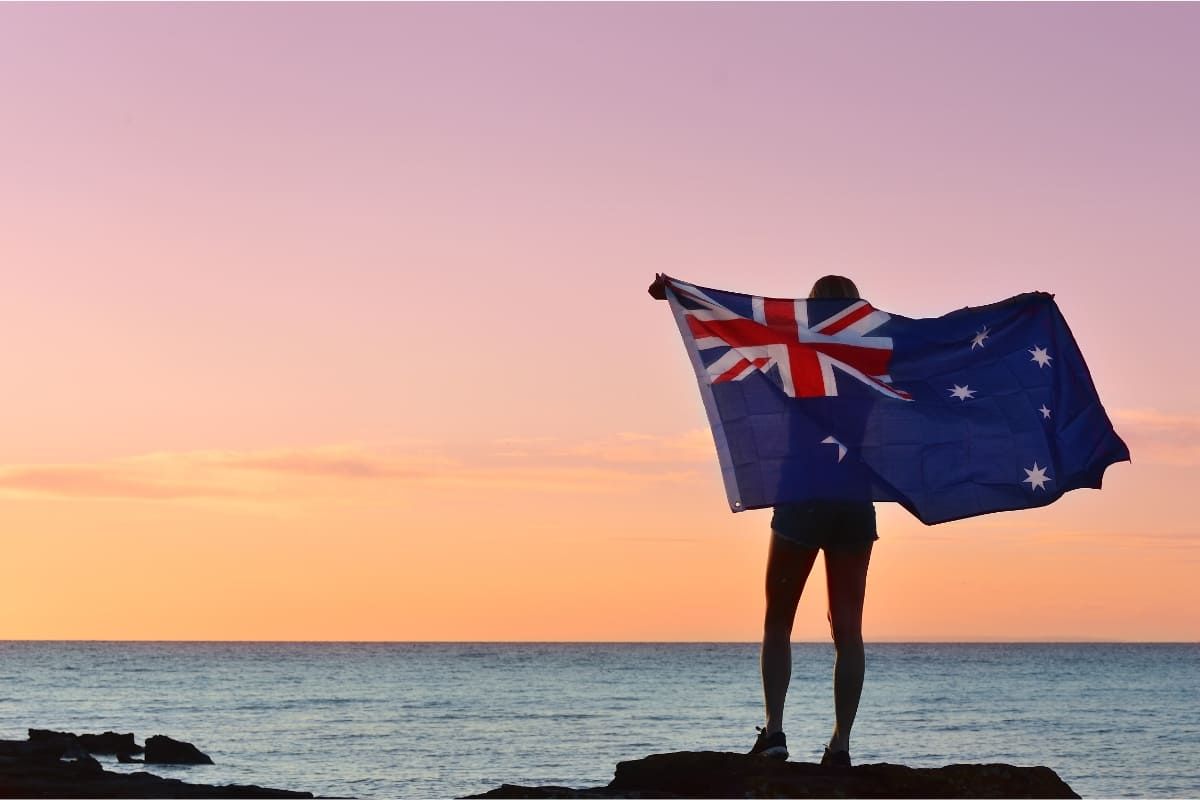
1051	640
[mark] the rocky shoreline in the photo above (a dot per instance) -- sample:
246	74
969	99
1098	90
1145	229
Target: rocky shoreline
712	774
62	764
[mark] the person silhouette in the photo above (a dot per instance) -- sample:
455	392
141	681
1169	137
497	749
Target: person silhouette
846	531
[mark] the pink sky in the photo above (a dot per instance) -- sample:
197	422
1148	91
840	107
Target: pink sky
329	321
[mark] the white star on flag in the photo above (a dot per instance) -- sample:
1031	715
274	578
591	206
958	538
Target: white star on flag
979	337
1040	356
961	392
1045	411
841	447
1036	477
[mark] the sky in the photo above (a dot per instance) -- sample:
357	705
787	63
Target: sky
329	322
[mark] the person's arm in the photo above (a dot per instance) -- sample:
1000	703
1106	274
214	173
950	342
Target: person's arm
658	289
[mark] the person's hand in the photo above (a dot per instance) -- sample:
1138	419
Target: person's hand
658	289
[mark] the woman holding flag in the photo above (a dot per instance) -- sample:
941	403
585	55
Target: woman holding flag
846	532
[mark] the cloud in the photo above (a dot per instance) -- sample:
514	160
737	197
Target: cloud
671	539
581	479
1184	541
1160	438
625	462
103	481
692	447
338	463
687	448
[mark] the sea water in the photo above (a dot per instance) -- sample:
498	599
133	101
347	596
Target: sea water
445	720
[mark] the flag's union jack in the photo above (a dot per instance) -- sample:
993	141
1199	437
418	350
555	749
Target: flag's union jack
778	340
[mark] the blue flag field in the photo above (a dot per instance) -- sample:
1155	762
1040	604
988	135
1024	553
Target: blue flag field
984	409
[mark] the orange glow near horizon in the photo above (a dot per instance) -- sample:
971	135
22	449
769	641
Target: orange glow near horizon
342	544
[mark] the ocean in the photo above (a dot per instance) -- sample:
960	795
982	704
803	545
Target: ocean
433	720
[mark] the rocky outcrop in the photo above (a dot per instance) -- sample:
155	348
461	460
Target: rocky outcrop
37	768
108	743
165	750
709	774
86	778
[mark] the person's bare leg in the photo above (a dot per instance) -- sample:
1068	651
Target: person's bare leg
788	567
846	574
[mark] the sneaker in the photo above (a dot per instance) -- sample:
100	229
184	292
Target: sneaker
771	745
838	760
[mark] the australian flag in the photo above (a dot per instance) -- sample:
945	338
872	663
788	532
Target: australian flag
984	409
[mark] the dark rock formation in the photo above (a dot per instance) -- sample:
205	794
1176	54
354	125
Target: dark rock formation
709	774
66	745
165	750
21	777
35	768
38	751
109	743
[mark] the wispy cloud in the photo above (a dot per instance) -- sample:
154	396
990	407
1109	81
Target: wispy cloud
625	462
341	462
691	447
687	448
671	539
1157	437
105	480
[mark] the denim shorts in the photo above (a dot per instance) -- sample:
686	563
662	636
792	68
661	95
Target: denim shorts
829	524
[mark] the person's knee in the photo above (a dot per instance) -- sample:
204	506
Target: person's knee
778	623
846	637
845	632
781	609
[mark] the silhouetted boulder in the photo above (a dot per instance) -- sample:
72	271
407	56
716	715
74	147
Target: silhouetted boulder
126	758
109	743
28	770
709	774
165	750
67	744
85	765
45	751
76	744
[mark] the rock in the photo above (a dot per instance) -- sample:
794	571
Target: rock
14	748
109	743
67	744
125	758
85	765
24	776
35	768
165	750
507	790
710	774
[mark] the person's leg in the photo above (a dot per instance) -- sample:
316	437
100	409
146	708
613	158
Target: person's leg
788	567
846	574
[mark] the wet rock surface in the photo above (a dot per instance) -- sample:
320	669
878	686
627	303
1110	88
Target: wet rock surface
711	774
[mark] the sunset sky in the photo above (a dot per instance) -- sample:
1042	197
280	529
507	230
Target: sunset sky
329	322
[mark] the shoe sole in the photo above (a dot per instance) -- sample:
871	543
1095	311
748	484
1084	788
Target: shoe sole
775	752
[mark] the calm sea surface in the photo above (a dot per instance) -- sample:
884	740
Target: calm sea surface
443	720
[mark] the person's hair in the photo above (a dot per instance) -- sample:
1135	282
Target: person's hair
834	286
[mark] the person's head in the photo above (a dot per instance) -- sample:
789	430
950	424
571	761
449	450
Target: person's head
834	286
